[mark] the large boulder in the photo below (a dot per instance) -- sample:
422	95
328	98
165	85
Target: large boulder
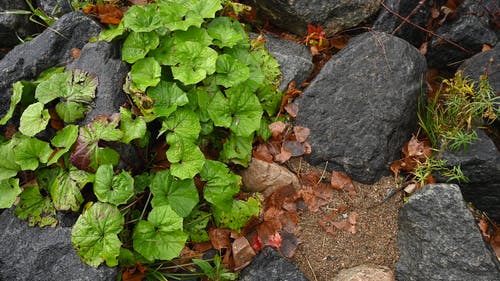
14	26
471	30
484	63
417	12
269	265
51	48
361	108
480	163
438	239
54	8
333	15
34	253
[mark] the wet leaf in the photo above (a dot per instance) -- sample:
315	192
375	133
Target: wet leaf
301	133
113	189
341	181
35	208
34	119
9	188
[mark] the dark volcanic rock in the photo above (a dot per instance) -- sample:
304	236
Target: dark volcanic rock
103	60
269	265
14	26
333	15
388	22
51	48
54	8
45	254
471	29
484	63
480	162
361	108
438	239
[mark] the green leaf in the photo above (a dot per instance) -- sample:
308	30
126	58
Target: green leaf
35	208
226	32
34	119
111	32
186	158
256	78
181	14
246	111
181	195
15	98
270	99
53	87
75	86
95	234
238	215
9	188
193	62
71	112
237	150
102	129
230	71
167	96
193	34
142	18
132	128
63	141
138	44
217	107
221	184
8	166
142	181
184	123
117	189
145	73
195	226
29	152
161	236
64	187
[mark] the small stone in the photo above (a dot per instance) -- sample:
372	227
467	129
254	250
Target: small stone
365	273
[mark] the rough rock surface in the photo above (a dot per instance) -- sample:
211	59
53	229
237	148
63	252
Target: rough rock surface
484	63
269	265
103	60
34	253
54	8
361	108
295	60
471	30
365	273
481	164
48	49
14	26
333	15
438	239
388	22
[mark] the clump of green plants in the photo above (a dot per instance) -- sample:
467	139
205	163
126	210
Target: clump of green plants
197	87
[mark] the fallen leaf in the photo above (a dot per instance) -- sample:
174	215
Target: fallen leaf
307	148
262	152
339	41
484	226
274	241
284	156
135	273
292	109
243	253
256	243
277	128
289	244
314	50
485	48
301	133
75	52
219	237
423	48
342	181
434	13
296	148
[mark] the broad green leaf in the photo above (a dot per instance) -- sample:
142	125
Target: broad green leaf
181	195
53	87
181	14
35	208
194	62
74	86
238	215
142	18
102	129
70	111
29	152
95	234
9	188
161	236
141	182
269	66
138	44
230	71
63	141
8	166
195	226
193	34
34	119
246	111
217	107
270	99
237	150
186	158
103	155
132	128
221	184
264	131
145	73
64	187
15	98
184	123
167	96
226	32
47	73
110	33
164	53
113	189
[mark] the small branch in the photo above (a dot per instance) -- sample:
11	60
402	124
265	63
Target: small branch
409	16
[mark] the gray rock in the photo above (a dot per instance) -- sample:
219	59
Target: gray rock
51	48
470	30
44	254
361	108
54	8
480	162
14	26
333	15
103	60
388	22
484	63
295	60
269	265
438	239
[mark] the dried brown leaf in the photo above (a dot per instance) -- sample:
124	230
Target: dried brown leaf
292	109
301	133
283	156
277	128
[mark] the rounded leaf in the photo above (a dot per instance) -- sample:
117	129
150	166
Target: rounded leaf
113	189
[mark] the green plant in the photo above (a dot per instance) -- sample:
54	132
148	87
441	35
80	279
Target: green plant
423	171
198	88
215	272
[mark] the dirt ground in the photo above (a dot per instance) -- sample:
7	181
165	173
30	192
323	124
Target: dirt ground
322	255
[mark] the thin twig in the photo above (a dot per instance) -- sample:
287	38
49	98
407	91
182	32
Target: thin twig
312	270
412	13
323	173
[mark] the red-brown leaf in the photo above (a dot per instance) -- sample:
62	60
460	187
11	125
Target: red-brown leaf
301	133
